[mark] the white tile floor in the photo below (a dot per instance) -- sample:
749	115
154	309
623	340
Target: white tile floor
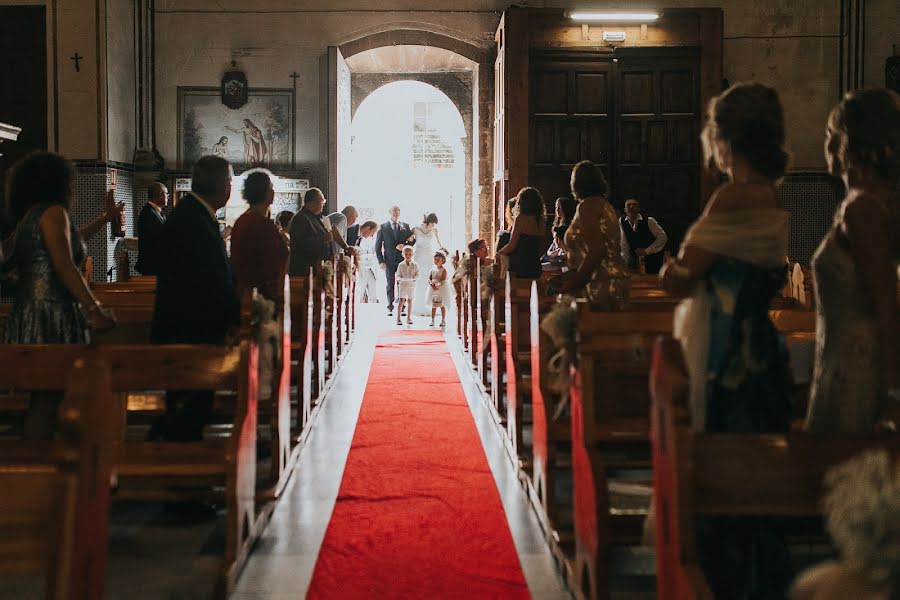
282	564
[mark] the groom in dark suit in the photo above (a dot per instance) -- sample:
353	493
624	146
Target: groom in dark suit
389	242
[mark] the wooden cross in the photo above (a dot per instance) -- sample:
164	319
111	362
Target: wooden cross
294	76
77	58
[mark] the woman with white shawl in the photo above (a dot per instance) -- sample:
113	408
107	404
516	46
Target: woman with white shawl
730	267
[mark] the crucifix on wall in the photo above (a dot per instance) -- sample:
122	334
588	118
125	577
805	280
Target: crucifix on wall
77	58
294	76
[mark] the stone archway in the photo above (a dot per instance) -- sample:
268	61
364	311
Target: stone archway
471	91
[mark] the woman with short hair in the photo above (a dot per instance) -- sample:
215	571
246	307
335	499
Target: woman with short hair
259	252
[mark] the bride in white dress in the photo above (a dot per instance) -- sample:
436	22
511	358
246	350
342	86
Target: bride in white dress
428	241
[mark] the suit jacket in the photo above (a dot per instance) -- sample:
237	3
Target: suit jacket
196	297
352	235
386	243
149	231
307	247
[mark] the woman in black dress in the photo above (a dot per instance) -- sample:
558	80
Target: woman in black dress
527	239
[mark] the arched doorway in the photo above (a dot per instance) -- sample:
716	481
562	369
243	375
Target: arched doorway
407	149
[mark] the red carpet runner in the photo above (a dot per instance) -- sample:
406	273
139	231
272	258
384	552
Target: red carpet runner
418	514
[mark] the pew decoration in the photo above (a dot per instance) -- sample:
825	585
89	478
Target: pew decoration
267	333
863	513
326	278
560	325
490	284
347	267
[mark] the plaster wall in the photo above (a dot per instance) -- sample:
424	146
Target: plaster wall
792	45
121	127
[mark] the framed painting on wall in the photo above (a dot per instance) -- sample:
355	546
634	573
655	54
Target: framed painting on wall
259	134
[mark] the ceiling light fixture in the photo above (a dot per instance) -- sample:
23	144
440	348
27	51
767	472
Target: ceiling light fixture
608	17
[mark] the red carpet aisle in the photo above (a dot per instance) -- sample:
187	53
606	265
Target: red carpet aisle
418	514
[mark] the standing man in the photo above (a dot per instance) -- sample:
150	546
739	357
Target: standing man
310	239
641	237
389	242
341	222
196	298
150	228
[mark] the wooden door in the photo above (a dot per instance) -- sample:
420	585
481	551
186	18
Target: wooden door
571	119
23	81
635	112
657	136
338	129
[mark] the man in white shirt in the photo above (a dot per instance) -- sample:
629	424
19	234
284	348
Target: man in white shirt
641	238
340	223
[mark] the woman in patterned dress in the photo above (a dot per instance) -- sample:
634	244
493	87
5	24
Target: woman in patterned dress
53	301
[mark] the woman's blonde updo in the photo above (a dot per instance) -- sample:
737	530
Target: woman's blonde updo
748	120
867	123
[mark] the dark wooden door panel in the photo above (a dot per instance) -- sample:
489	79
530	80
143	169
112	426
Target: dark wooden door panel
637	115
23	81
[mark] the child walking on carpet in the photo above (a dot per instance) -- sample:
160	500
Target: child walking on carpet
407	274
440	291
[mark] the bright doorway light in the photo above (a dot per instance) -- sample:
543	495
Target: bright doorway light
610	17
407	150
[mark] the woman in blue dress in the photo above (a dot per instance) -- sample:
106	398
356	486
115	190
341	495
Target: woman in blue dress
53	301
730	267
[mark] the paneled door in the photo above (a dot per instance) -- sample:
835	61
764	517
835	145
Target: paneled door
23	81
636	113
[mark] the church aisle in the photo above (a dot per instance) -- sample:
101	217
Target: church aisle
402	544
418	513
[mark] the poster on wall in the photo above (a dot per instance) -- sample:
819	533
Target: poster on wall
259	134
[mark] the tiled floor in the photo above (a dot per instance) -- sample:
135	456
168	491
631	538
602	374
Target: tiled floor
282	564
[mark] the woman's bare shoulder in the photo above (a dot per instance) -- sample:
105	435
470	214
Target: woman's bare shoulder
731	197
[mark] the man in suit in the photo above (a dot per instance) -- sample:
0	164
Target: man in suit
196	297
310	237
389	242
149	229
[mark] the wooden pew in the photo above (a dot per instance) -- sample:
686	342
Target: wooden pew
610	430
473	314
159	471
706	474
496	323
302	336
54	509
518	382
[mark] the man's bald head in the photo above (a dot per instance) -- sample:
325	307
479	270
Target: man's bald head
158	194
352	215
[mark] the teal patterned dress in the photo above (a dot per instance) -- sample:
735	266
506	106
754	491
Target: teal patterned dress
748	390
44	311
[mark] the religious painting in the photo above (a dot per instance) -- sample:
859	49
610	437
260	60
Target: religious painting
259	134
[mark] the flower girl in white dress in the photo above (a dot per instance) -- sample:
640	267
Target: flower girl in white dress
407	273
439	282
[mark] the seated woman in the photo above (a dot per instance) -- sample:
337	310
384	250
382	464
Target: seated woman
730	267
504	235
259	252
596	269
527	237
856	380
53	302
556	253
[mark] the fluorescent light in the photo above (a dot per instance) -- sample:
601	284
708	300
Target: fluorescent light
613	16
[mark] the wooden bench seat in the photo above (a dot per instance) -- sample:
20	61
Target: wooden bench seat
164	471
706	474
54	509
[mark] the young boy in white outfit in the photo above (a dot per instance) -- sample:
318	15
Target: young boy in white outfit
407	274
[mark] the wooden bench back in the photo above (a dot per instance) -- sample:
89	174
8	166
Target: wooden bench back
54	509
737	475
